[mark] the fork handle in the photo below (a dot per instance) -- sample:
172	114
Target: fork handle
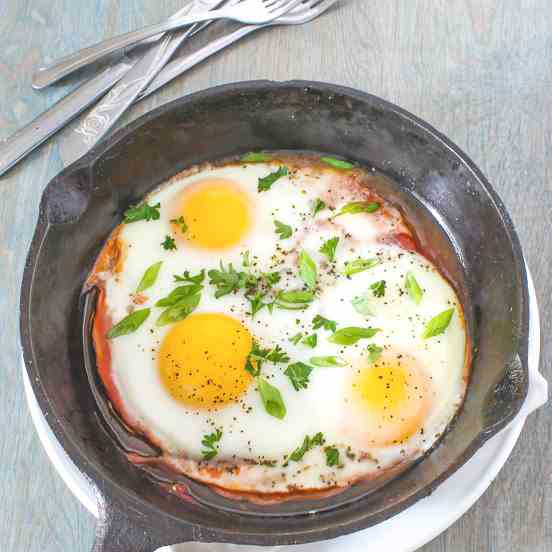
40	129
66	65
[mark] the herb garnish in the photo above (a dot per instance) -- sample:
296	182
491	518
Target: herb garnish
318	206
187	277
142	212
438	324
307	270
257	356
149	277
414	290
337	163
283	230
329	248
308	444
256	302
327	362
352	334
356	207
256	157
359	265
321	322
272	398
181	223
271	278
270	395
264	184
129	324
298	373
227	280
169	244
211	444
180	303
310	341
294	300
374	352
378	288
332	456
296	338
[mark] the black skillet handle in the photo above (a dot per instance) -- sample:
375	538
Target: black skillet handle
116	532
506	397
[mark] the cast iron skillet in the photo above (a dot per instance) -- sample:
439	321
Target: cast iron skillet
459	219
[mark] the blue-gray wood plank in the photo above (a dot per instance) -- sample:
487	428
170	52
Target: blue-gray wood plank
478	70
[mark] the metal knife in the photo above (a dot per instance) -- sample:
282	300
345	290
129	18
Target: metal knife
103	116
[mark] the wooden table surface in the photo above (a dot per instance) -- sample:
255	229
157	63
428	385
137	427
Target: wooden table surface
478	70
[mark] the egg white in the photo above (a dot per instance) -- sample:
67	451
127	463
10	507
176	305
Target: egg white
325	405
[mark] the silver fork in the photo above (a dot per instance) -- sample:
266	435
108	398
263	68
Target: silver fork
257	12
305	12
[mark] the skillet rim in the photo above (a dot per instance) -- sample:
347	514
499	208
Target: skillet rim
109	489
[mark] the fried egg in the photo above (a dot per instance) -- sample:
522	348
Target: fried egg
270	332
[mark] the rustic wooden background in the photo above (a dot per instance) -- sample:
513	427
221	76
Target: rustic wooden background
478	70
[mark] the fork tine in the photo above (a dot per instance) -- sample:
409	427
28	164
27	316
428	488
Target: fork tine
320	4
279	7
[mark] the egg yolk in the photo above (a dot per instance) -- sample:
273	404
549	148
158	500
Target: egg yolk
394	398
217	214
202	360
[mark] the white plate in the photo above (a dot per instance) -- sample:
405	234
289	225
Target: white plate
422	522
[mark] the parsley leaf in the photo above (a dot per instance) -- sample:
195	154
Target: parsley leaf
256	157
181	223
294	300
257	303
142	212
332	456
169	244
438	324
329	248
378	288
265	183
374	352
327	362
310	341
211	444
271	278
352	334
337	163
359	265
226	280
149	278
272	398
257	356
307	270
283	230
187	277
129	324
298	373
362	305
321	322
308	444
414	290
318	206
356	207
296	338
